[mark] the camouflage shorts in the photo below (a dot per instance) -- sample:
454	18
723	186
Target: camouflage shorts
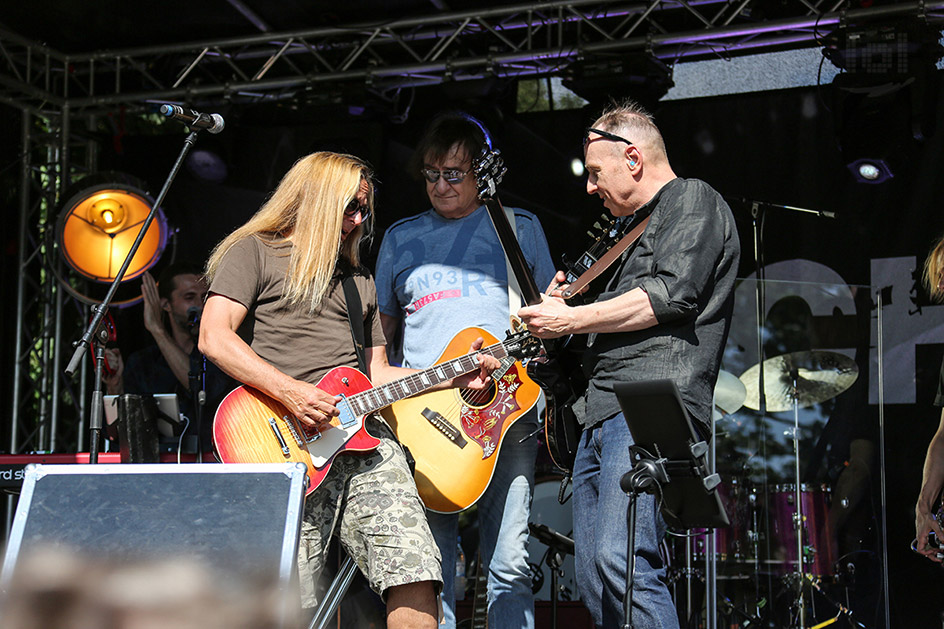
371	501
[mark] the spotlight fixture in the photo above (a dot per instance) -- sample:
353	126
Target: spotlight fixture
870	170
887	51
885	100
207	164
576	167
99	222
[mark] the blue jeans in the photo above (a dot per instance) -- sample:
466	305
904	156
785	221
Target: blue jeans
503	512
600	534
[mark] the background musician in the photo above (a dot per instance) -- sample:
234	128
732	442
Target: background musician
929	499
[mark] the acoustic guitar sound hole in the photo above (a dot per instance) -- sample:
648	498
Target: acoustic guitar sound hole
478	399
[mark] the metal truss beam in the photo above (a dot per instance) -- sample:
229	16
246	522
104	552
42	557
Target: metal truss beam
47	412
536	38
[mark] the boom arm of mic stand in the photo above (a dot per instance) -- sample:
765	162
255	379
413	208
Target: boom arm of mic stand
99	311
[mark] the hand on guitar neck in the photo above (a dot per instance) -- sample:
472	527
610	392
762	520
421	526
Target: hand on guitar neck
559	286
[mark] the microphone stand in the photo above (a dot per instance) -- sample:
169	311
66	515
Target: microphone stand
198	395
646	477
99	310
558	545
757	218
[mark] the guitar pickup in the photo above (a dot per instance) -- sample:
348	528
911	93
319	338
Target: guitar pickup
452	433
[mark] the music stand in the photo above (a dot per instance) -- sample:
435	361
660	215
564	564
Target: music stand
669	462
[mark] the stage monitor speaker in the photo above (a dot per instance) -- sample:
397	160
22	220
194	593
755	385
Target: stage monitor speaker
240	519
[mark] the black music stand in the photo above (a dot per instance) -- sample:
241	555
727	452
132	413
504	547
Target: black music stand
669	461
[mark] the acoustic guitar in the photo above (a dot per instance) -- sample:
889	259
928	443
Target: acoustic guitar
251	427
455	435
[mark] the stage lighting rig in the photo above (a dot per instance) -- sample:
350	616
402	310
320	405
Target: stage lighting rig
886	97
599	78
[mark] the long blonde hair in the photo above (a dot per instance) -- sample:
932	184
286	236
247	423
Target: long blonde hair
933	267
308	207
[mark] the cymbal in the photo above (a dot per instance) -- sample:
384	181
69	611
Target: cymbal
820	376
729	392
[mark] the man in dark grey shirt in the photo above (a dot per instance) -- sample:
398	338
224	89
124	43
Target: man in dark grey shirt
665	314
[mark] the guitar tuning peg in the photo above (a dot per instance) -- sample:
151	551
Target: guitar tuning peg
597	225
590	233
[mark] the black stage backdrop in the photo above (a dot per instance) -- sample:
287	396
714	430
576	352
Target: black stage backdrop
779	147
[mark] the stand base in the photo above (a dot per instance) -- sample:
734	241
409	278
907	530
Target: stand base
570	614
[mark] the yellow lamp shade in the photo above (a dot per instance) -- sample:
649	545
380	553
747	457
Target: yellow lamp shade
99	224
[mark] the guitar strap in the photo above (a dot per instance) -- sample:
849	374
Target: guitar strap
606	259
514	290
355	317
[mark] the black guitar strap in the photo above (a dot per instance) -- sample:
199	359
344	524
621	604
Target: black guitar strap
355	317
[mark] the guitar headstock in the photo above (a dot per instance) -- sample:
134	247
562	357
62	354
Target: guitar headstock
489	168
523	345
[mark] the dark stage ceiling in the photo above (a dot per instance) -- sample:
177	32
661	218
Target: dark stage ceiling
94	55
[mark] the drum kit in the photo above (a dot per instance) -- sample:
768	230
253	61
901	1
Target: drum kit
780	533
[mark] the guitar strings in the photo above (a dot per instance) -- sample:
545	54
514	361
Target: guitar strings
462	365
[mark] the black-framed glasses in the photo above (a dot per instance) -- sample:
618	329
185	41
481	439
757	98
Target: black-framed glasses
451	176
604	134
354	207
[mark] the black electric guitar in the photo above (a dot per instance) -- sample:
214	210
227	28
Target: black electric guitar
561	429
558	373
605	233
607	246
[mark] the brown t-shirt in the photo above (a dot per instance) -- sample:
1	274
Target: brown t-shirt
302	345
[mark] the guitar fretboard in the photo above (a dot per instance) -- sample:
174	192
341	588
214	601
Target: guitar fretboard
386	394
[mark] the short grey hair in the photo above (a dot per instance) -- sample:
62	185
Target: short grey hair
633	122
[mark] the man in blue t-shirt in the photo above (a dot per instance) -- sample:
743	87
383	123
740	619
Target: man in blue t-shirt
438	273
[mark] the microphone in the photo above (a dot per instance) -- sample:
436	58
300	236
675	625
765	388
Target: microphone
193	316
751	202
213	123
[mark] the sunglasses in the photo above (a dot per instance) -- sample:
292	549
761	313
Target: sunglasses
354	207
604	134
450	176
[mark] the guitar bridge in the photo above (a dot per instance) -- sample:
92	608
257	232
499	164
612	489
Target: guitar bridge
298	431
441	424
278	436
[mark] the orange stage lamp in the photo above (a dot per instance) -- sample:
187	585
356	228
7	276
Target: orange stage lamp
98	225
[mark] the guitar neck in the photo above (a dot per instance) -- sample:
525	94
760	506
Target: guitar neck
384	395
519	265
